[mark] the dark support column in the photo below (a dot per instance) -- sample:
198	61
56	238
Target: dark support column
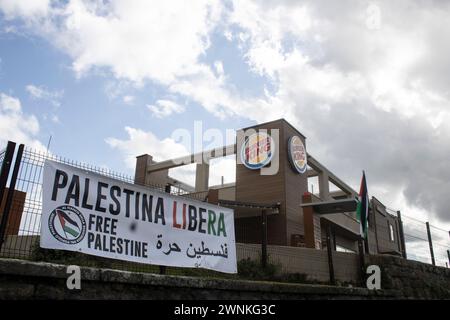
330	255
334	241
361	261
9	198
430	242
308	222
366	243
402	235
264	238
163	269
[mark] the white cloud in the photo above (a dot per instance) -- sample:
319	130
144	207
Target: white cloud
42	93
218	65
142	142
28	8
55	119
128	99
164	108
17	126
9	104
220	98
139	39
228	35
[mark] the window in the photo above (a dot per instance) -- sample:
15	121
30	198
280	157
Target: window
391	232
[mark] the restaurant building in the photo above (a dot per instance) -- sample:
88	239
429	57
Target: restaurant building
273	172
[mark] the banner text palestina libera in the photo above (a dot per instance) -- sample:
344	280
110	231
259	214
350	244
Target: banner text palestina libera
139	206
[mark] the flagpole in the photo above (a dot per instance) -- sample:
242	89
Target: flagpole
363	215
361	261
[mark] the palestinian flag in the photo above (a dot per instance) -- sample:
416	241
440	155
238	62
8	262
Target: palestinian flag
69	225
362	210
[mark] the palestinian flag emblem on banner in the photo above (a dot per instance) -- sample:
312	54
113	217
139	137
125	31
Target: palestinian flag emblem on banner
362	209
67	224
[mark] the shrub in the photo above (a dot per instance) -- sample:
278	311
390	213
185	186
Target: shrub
69	257
251	269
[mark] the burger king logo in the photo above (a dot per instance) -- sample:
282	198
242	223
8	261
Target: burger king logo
257	150
297	154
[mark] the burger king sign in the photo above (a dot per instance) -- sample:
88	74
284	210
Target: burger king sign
297	154
257	150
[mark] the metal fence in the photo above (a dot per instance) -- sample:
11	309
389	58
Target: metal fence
426	242
22	226
20	233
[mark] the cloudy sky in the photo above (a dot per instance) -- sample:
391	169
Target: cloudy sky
367	82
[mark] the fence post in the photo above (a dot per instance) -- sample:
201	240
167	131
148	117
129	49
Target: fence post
448	255
9	198
430	242
264	238
330	255
402	235
6	166
163	269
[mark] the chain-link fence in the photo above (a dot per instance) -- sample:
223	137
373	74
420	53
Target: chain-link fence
22	230
21	236
257	259
418	239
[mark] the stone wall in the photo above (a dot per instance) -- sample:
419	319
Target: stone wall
412	278
20	279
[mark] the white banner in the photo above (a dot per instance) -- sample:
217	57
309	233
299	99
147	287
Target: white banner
87	212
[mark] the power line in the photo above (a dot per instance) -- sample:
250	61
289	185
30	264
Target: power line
420	221
411	236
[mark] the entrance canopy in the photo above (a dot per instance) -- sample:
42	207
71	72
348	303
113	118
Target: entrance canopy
248	209
334	206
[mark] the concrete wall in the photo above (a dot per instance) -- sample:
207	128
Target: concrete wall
227	193
31	280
